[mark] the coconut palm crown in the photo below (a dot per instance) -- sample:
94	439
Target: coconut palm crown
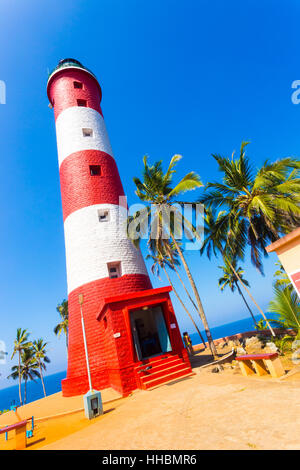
265	203
63	325
286	306
156	186
228	278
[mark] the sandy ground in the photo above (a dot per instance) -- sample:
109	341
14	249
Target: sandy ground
52	405
207	411
55	417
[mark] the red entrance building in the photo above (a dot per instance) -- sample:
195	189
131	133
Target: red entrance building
133	337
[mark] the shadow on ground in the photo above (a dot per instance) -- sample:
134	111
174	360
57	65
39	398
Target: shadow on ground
30	444
199	360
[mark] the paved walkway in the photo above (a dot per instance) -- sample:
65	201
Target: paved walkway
206	411
52	405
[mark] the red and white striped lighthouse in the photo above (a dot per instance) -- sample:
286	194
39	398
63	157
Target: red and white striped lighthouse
101	263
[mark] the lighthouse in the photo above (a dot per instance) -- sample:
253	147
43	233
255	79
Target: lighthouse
128	323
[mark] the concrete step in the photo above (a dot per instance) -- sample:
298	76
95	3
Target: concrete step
156	361
159	367
148	389
169	369
185	371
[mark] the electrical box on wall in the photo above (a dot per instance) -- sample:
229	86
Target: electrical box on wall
92	404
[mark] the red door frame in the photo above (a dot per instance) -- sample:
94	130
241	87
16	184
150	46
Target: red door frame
139	306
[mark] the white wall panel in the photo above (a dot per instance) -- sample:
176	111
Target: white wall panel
69	135
91	244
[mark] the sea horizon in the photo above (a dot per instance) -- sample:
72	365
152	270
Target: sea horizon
10	395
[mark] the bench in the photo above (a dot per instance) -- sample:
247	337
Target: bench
261	364
20	433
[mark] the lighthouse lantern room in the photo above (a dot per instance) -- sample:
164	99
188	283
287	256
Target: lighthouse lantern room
132	335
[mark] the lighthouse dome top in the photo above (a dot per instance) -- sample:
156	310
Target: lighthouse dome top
69	60
69	63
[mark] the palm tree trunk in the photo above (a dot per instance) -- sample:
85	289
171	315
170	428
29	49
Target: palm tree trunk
248	292
196	293
241	293
190	316
187	292
40	367
25	397
19	370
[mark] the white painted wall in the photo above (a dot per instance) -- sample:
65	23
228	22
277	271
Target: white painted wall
91	244
70	139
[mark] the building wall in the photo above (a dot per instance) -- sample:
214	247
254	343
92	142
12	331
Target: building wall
289	256
103	361
115	326
90	244
69	132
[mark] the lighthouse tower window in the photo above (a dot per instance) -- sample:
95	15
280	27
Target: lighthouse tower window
82	103
114	270
103	215
77	85
87	132
95	170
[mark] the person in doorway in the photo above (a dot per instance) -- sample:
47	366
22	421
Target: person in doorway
188	343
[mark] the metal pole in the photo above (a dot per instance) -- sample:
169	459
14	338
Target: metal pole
85	344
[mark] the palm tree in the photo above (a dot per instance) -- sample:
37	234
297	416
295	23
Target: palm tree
27	369
286	305
264	204
171	255
160	261
63	325
21	343
223	234
230	279
156	189
281	277
40	354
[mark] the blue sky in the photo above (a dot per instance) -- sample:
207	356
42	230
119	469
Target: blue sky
193	77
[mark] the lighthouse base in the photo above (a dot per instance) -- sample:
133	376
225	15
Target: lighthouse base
80	385
141	344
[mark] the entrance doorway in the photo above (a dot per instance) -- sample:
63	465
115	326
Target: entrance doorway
149	331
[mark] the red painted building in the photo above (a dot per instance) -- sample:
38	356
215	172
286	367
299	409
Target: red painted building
129	325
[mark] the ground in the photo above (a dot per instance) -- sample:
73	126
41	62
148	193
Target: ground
206	411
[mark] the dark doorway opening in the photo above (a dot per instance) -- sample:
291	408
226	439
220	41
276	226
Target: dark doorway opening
149	331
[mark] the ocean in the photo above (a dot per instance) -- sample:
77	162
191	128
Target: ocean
240	326
10	396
